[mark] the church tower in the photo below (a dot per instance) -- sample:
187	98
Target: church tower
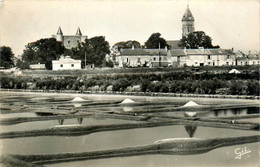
187	22
59	35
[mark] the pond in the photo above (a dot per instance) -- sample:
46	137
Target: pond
224	156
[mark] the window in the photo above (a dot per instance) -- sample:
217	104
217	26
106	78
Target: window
227	63
138	59
127	60
72	65
208	56
68	42
160	59
196	62
61	65
154	59
209	63
228	56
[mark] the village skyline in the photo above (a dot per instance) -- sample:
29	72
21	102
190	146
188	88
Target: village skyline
230	24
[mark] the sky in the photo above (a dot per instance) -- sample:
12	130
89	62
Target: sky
230	23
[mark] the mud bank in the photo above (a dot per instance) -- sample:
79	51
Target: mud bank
173	147
76	130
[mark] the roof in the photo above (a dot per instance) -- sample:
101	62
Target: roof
209	52
241	58
188	15
134	52
173	44
177	52
156	51
147	52
78	32
66	59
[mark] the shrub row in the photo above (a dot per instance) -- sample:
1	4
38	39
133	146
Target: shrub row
179	82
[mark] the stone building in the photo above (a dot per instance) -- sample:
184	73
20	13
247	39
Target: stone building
69	41
143	58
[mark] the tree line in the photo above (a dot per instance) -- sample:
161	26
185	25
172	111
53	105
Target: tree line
93	49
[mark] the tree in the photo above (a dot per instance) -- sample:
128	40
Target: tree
43	51
6	57
95	49
155	41
126	45
197	39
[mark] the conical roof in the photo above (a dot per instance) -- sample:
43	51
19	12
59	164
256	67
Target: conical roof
59	31
188	15
78	32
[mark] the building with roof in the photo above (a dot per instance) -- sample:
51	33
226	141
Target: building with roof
210	57
176	57
69	41
143	58
66	63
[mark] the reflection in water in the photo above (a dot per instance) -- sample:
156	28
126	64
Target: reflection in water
127	109
233	112
80	120
77	105
61	121
191	129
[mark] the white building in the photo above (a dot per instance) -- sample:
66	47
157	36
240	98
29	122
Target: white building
66	63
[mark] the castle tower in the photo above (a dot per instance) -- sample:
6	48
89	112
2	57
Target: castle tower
78	32
59	35
187	22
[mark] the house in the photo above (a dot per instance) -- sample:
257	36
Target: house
66	63
177	57
143	58
209	57
253	59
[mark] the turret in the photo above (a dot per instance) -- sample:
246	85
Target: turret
78	32
59	35
187	22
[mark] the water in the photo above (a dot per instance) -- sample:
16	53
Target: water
25	104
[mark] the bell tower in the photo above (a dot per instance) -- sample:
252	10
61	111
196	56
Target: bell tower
187	22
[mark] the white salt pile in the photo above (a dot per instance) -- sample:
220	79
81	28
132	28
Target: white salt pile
190	104
78	99
127	101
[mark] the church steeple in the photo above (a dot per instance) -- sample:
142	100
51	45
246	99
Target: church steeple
188	15
187	22
78	32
